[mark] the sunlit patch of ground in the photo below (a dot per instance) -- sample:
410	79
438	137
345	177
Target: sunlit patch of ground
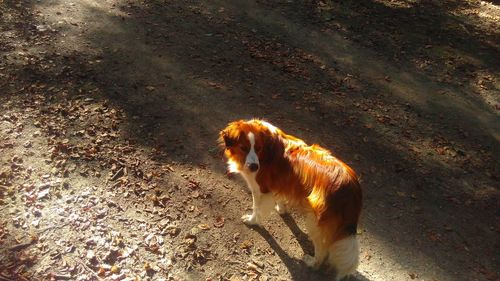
110	112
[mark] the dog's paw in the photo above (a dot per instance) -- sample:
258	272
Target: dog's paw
280	208
310	261
250	219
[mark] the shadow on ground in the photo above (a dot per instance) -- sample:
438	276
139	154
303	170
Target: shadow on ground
348	78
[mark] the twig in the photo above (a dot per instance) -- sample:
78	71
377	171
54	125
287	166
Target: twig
225	203
159	219
54	226
116	184
21	246
118	174
86	267
61	276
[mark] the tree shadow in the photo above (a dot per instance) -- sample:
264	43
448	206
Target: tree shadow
439	39
180	72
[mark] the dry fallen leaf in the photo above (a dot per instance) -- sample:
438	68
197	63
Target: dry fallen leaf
204	226
101	272
246	244
42	194
219	222
189	240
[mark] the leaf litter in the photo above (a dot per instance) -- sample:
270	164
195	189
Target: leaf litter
85	201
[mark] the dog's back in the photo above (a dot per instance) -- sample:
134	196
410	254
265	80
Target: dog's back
279	167
333	199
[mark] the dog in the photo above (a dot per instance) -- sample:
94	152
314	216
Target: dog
281	171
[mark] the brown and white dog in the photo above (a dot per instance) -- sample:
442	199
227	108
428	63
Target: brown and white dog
283	170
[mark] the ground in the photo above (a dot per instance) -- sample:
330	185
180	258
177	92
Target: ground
110	111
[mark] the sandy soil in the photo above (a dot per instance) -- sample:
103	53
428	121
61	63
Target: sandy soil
110	111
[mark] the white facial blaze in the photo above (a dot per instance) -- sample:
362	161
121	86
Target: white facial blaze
252	157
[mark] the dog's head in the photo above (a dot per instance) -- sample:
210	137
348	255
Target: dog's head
248	144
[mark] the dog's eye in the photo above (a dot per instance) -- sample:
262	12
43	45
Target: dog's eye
245	149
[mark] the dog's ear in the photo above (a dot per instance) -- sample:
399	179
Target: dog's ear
272	148
228	141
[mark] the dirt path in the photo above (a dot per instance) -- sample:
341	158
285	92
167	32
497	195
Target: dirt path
110	111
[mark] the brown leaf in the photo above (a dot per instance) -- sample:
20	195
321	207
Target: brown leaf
219	222
204	226
101	272
246	244
189	240
193	184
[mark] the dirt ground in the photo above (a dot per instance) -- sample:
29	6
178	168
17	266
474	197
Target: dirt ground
110	111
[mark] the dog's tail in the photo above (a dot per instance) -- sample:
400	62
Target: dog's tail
344	256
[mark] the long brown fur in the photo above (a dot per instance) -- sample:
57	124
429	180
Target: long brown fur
306	176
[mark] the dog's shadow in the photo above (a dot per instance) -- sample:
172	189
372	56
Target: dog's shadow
301	236
297	268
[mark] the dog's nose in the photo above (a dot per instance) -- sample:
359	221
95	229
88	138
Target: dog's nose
253	167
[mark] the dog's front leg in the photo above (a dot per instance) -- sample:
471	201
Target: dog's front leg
262	203
253	219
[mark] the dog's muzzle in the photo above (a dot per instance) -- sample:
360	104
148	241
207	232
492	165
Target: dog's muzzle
253	167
